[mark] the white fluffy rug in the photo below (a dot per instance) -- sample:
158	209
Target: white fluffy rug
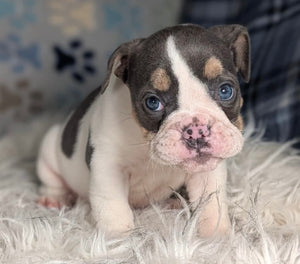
264	192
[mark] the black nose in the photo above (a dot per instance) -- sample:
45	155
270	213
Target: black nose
195	136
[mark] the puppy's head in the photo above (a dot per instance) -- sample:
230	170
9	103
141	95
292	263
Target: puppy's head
185	92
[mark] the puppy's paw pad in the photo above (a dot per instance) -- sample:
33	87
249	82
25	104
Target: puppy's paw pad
173	204
49	202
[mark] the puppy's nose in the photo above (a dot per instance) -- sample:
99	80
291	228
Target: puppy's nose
195	135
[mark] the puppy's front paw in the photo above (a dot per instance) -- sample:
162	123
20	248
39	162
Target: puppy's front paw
114	218
49	202
210	226
56	197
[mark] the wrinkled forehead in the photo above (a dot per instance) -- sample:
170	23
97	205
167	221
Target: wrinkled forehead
205	54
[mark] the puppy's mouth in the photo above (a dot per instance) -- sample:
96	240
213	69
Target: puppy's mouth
196	144
198	150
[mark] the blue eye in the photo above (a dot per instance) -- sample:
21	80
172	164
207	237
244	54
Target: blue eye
225	92
153	103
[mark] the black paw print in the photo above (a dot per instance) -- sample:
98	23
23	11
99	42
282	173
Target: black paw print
76	59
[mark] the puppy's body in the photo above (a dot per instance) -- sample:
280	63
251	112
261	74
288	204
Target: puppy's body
120	151
109	125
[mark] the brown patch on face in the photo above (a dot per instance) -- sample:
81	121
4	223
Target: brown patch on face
148	135
160	79
213	67
239	123
242	102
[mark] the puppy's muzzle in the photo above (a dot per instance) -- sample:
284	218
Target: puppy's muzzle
196	142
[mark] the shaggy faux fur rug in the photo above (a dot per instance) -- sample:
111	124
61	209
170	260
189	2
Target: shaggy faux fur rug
264	197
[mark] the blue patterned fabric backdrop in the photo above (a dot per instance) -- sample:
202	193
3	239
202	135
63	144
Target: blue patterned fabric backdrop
52	53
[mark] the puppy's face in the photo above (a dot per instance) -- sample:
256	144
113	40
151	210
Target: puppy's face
185	93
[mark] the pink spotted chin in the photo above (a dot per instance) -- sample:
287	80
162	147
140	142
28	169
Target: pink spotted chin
200	164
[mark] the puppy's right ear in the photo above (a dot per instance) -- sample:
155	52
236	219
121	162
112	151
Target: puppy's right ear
237	39
118	62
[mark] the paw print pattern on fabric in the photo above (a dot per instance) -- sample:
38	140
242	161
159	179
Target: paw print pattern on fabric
123	16
76	59
18	13
72	16
8	99
33	102
21	99
17	55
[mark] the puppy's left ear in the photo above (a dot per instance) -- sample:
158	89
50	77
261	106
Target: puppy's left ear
118	62
237	39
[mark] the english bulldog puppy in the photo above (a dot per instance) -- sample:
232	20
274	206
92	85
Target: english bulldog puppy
166	116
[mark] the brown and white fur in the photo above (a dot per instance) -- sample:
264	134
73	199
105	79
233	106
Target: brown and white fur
121	155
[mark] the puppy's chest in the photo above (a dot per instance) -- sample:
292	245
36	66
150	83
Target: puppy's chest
150	181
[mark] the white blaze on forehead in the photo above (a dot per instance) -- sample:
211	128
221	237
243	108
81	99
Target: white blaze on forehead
192	93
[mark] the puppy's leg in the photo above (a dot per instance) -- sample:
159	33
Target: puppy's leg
109	195
214	217
54	192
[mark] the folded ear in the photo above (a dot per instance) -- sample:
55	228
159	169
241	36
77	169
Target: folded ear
237	39
118	62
